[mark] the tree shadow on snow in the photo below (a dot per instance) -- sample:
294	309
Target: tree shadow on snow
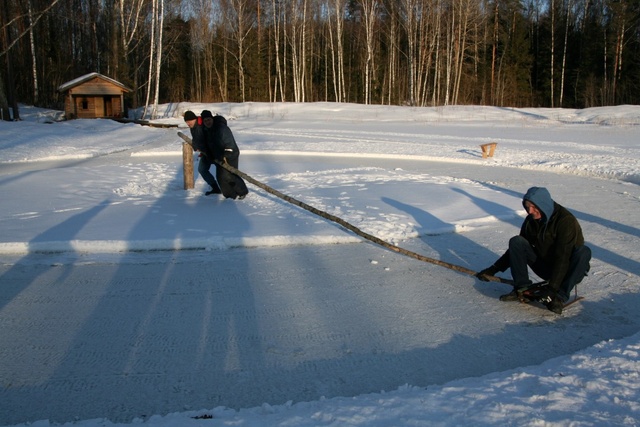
60	236
450	246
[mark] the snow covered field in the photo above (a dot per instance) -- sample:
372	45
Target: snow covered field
125	299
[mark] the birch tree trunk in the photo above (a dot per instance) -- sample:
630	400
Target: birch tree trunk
450	57
337	48
392	41
564	54
620	29
241	36
468	14
32	44
295	58
435	100
370	13
129	14
409	19
553	42
303	55
239	17
494	53
277	24
605	67
332	50
426	37
158	61
152	45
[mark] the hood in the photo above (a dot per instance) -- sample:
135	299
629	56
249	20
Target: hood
540	197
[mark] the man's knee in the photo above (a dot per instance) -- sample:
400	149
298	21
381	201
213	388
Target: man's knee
518	242
584	253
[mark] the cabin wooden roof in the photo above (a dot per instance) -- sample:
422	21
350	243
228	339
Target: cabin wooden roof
91	89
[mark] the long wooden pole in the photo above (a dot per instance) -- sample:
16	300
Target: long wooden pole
345	224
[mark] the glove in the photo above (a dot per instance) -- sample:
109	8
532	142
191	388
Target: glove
489	271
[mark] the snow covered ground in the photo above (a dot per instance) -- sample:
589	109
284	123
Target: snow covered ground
123	295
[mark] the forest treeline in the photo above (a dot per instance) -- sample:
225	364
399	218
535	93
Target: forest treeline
518	53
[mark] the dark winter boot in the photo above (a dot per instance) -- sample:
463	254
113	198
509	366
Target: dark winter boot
515	295
555	305
551	300
214	190
511	296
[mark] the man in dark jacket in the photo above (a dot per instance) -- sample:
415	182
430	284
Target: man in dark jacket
225	150
552	244
199	143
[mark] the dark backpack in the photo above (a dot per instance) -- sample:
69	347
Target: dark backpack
219	120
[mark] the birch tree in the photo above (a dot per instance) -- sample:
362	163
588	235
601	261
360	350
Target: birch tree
409	19
239	17
297	40
336	34
553	51
450	54
152	55
564	52
390	60
129	12
623	16
468	16
437	30
158	59
7	23
370	11
494	49
277	18
32	45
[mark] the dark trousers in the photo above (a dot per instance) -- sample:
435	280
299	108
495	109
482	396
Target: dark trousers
203	169
522	255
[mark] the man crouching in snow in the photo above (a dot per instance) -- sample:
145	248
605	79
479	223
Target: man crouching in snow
551	243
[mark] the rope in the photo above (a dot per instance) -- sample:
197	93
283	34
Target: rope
347	225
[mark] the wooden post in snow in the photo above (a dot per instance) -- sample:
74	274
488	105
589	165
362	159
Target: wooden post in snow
187	165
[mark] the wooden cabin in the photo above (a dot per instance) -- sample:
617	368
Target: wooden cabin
93	96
